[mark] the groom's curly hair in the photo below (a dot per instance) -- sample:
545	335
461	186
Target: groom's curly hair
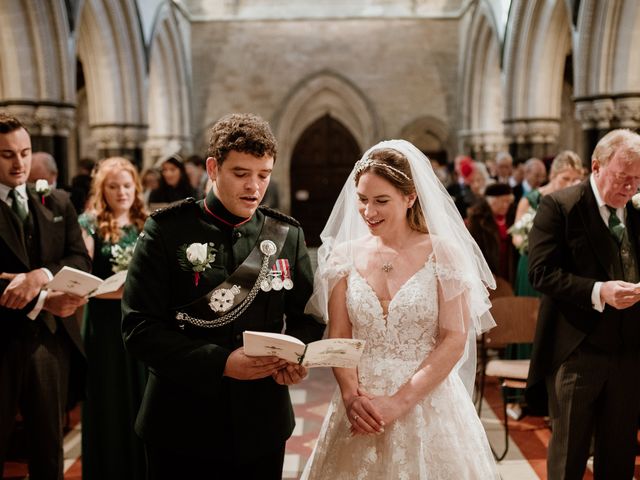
242	132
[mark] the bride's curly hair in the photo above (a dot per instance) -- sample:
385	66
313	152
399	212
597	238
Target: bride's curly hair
394	167
106	224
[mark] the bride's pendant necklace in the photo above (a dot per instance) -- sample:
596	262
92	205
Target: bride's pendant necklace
386	266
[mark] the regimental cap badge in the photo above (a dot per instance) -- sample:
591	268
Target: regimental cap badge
268	247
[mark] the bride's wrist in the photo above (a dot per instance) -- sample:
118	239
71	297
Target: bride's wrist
349	398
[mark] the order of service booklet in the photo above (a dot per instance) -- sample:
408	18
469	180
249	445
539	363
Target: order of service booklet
333	352
83	284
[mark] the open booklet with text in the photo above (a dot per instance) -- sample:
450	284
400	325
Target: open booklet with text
333	352
83	284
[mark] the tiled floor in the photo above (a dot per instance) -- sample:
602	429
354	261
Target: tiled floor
525	460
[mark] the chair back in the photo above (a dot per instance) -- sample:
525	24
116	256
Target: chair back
515	318
503	289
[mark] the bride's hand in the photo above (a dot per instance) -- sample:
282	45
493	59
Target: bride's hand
365	419
388	407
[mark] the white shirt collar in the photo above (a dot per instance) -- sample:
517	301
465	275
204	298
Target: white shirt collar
596	193
21	189
602	206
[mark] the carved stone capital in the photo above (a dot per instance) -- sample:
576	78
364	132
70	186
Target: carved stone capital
586	115
543	131
627	110
27	115
107	137
604	111
66	121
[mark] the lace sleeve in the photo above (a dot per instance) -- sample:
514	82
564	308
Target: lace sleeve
331	268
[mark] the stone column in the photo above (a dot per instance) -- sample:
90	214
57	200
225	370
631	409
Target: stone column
123	140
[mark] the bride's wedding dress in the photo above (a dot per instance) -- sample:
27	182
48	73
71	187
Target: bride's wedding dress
441	437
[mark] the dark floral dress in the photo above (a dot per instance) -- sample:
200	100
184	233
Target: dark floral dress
115	383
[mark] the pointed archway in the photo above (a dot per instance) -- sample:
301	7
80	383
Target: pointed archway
321	161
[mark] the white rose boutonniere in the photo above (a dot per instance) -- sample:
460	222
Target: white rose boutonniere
635	201
196	258
43	188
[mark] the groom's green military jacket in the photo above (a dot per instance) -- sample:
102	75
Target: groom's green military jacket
188	404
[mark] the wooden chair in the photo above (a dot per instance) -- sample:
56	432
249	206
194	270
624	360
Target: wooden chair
503	289
516	319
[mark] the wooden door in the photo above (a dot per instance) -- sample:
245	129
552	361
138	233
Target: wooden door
321	162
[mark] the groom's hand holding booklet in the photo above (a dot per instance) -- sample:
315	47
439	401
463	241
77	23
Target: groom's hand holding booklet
333	352
83	284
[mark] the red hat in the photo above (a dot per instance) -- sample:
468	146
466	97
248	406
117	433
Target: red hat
466	167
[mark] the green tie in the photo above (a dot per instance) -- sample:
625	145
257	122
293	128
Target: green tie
615	225
17	206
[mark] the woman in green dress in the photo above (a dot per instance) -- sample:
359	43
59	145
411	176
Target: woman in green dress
114	217
566	170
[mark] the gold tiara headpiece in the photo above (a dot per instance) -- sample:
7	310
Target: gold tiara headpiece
365	163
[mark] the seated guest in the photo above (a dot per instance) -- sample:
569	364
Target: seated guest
488	223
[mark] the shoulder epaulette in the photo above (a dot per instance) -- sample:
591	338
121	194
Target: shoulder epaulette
174	207
279	215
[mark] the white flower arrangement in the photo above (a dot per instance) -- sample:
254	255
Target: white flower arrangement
196	257
43	188
121	257
522	228
635	201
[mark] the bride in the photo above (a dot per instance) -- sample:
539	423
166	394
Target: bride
398	269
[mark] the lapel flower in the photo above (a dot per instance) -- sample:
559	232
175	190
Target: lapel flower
635	201
43	188
196	258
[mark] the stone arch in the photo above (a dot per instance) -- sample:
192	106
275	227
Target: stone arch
169	88
111	49
536	50
429	134
325	93
481	131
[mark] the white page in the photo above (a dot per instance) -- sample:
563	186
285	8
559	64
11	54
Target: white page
334	352
261	344
72	280
111	284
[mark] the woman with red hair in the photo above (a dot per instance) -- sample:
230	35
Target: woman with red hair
114	217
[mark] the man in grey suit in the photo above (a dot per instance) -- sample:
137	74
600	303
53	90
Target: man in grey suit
584	258
40	346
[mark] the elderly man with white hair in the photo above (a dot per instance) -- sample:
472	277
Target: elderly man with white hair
43	166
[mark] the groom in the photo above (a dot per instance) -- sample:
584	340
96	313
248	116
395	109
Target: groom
584	252
202	273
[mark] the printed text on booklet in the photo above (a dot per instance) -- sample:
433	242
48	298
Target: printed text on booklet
333	352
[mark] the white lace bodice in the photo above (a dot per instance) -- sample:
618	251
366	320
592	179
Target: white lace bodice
402	338
441	437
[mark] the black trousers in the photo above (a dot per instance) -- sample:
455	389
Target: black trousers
594	395
34	373
167	464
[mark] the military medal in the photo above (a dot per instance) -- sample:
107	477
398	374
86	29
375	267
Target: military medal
221	299
265	285
285	268
276	283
